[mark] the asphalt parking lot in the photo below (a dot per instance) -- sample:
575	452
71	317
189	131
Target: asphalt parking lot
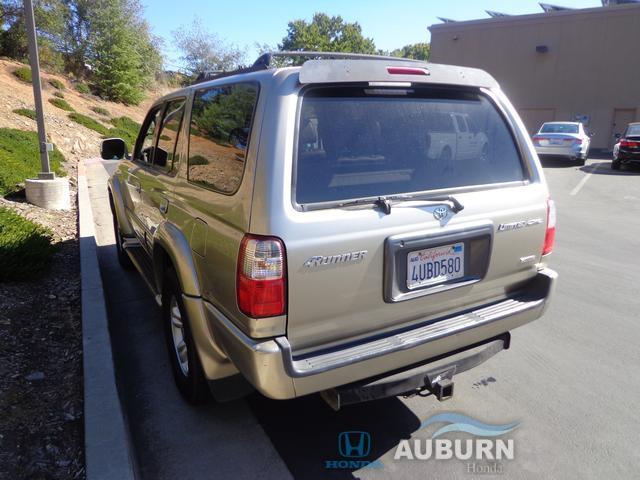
568	380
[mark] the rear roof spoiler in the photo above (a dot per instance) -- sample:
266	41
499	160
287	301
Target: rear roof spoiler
342	67
403	71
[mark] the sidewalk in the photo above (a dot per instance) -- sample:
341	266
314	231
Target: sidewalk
107	446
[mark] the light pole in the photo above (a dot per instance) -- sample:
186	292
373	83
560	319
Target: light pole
45	173
46	191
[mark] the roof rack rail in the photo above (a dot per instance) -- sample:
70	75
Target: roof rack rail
206	76
264	62
265	58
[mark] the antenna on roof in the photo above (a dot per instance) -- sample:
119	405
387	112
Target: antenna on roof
493	14
547	7
446	20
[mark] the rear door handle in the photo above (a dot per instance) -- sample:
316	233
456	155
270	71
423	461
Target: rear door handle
134	183
164	205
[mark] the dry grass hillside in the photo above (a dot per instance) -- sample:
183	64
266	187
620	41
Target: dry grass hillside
73	140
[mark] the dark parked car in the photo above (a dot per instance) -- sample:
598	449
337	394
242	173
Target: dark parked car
627	149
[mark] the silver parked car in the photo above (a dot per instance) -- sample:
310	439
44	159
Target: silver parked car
563	139
301	235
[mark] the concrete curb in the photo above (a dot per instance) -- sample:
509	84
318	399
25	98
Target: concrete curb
108	453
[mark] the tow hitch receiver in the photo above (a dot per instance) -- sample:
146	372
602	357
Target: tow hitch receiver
435	377
441	386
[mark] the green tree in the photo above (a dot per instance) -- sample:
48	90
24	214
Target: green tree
49	23
417	51
202	51
326	34
108	42
114	41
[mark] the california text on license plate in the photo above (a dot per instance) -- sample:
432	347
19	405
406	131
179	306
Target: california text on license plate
435	265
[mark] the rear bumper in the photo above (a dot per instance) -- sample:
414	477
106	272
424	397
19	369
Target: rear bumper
627	156
272	368
560	151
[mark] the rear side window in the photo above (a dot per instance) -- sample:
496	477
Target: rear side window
164	155
359	143
221	120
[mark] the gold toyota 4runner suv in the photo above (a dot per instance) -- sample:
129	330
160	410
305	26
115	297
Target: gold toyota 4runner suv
315	228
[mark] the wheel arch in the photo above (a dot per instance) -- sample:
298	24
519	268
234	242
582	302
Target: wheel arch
171	249
116	202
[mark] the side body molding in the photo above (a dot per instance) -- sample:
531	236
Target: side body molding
117	206
172	241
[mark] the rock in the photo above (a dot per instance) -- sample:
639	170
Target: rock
35	376
78	146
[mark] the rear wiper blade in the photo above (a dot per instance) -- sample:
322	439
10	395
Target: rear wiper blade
385	203
453	202
382	202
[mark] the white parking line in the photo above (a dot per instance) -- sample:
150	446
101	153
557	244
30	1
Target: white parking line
584	179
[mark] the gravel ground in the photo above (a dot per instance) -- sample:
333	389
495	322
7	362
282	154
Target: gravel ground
41	421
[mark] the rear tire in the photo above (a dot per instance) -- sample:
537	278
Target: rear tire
183	356
445	155
123	257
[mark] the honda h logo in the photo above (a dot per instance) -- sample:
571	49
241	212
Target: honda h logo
354	444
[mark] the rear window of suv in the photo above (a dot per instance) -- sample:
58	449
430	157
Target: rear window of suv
369	142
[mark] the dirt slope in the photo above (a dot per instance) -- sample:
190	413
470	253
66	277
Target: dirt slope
73	140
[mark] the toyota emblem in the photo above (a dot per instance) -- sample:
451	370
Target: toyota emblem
440	212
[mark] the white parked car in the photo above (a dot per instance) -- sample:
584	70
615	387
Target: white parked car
563	139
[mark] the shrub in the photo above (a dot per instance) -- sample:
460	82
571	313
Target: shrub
20	158
57	84
88	122
101	111
24	74
83	88
26	112
126	129
60	103
25	247
198	160
58	94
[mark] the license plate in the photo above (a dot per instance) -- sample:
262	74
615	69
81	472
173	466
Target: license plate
556	141
435	265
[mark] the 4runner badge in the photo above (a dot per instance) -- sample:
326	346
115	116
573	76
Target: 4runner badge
521	224
319	260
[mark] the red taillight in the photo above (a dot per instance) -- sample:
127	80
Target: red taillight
550	235
261	283
407	71
629	144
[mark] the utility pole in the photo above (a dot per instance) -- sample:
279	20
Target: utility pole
46	191
45	173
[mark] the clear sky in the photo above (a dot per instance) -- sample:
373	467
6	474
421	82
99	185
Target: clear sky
391	24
